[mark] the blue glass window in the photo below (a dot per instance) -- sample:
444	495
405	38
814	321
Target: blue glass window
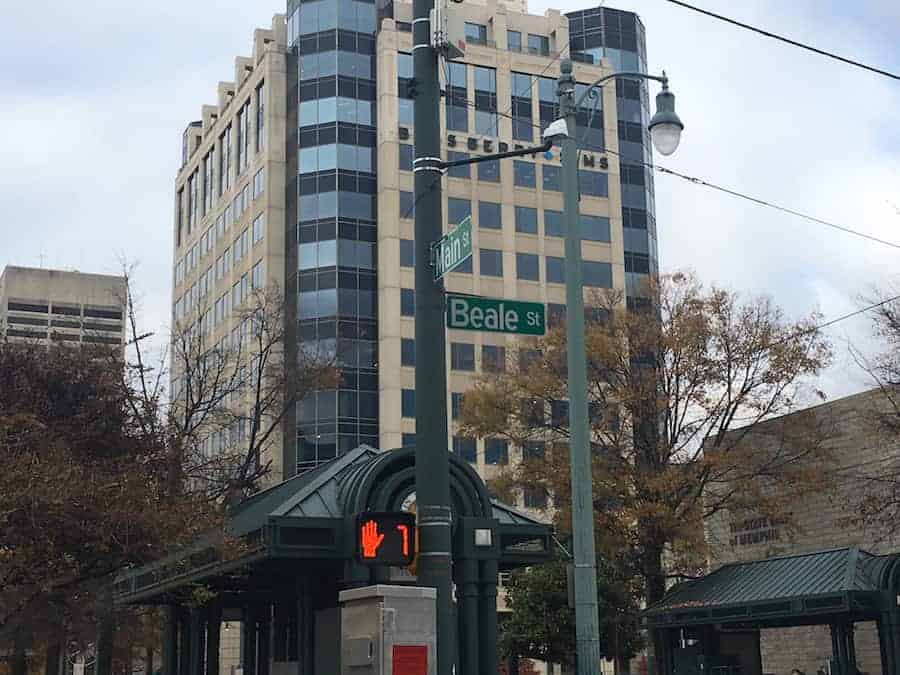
463	171
593	183
597	274
522	116
594	228
458	210
489	215
526	220
485	100
552	177
556	270
407	302
527	267
408	403
491	262
457	98
465	448
476	33
406	157
407	253
523	174
407	204
553	223
496	451
489	171
407	352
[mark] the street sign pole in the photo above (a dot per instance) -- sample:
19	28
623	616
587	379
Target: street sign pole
432	456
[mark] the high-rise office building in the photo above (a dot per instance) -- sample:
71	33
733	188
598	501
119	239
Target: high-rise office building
71	308
301	176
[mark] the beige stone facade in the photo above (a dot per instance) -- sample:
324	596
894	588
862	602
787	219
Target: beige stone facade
859	456
67	307
396	225
229	236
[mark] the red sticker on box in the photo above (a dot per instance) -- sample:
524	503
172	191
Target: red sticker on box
410	660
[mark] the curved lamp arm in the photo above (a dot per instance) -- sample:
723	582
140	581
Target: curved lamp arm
630	75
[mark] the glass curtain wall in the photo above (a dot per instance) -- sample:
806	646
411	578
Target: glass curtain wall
604	33
336	290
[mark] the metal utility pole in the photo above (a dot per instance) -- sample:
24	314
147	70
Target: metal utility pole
432	458
587	629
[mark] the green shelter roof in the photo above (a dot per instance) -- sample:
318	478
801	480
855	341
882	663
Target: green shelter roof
801	586
306	518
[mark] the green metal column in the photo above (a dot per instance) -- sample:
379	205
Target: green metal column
195	627
487	621
103	659
248	628
184	643
468	600
213	638
170	640
280	624
587	628
305	628
889	641
432	459
264	639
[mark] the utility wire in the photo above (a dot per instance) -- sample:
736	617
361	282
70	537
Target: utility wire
827	324
733	193
761	202
786	40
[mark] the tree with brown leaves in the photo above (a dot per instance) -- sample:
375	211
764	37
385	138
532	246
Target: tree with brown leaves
879	501
674	392
101	470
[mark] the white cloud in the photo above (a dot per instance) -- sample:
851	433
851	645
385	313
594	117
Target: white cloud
92	117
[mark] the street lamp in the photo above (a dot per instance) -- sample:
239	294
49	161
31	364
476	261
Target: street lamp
665	126
665	131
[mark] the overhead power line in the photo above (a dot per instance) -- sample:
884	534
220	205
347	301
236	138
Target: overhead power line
786	40
831	322
771	205
733	193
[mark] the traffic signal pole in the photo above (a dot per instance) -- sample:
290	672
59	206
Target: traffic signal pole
432	458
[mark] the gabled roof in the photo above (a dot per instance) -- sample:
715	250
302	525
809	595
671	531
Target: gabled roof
305	518
313	493
844	580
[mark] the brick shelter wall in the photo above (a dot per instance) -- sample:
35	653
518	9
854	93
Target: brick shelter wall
859	454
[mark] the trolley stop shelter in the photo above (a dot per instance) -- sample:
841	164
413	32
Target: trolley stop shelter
711	624
296	549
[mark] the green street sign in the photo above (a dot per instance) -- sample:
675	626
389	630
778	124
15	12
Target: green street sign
466	312
453	249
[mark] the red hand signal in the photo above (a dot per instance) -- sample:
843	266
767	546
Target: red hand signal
371	540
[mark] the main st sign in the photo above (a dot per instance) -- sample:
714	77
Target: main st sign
466	312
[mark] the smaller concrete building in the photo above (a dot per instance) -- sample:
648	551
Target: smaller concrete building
69	307
861	463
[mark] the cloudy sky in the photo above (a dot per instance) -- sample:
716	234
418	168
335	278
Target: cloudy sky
96	95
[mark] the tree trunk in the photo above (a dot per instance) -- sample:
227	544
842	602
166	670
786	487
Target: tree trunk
655	584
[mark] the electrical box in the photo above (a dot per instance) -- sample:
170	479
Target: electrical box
388	630
447	30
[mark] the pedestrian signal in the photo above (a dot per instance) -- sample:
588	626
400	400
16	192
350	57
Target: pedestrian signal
386	538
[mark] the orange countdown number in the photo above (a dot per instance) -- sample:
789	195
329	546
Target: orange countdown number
404	532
